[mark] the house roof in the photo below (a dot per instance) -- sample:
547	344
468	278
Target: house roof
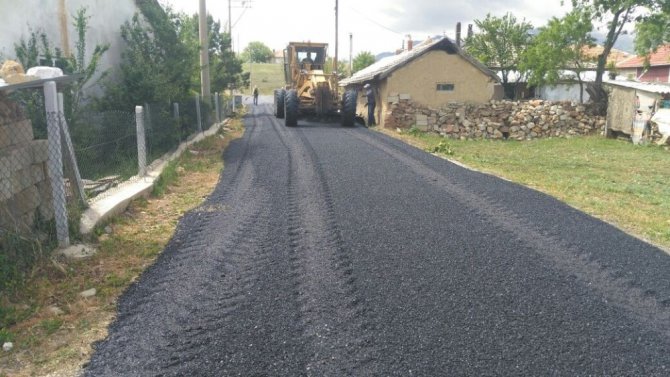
659	58
643	86
615	56
386	66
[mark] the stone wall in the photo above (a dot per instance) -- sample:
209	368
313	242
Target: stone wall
518	120
25	191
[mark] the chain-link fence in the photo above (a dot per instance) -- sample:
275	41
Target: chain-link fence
91	151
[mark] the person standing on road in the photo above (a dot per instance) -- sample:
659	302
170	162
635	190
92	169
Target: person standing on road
371	103
255	95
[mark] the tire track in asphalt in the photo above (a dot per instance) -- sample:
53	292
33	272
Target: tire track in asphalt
203	274
641	304
332	314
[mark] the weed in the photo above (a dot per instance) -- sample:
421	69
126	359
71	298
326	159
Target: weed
415	131
6	336
167	177
50	326
442	148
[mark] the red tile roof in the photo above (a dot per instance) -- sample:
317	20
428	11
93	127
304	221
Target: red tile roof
660	57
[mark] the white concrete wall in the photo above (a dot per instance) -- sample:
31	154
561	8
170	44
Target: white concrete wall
562	92
18	17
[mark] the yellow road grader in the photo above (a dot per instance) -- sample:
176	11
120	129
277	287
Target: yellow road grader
309	90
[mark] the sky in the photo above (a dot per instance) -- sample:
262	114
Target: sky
376	25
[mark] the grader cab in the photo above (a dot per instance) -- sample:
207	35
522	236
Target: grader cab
309	90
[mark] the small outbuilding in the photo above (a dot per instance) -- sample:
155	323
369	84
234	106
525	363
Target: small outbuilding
634	103
433	73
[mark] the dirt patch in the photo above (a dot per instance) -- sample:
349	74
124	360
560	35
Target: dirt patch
56	326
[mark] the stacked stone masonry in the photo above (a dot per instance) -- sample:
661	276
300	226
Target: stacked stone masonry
517	120
25	192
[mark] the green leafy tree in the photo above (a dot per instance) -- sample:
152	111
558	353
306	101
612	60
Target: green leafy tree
156	65
616	14
257	52
225	67
499	44
342	67
557	47
78	63
362	60
653	31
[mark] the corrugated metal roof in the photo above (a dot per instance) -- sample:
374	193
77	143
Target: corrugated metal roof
644	86
386	66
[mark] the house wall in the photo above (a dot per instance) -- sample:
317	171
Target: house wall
417	81
657	74
420	78
106	18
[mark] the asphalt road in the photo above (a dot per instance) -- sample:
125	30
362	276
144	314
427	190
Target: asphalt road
326	251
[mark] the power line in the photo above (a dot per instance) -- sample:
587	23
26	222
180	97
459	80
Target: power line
373	21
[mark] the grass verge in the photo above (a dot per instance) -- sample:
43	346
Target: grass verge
614	180
266	76
51	325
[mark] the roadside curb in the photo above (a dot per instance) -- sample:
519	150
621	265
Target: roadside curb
117	199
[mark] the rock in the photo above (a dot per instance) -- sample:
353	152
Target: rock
108	229
78	251
7	346
88	293
55	310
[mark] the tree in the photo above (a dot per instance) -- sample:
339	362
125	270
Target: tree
652	32
499	44
616	14
362	60
257	52
225	67
557	47
156	66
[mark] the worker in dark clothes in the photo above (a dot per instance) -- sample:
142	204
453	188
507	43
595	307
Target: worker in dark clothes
371	103
255	95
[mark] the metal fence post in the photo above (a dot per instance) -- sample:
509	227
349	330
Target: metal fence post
197	111
55	164
217	107
70	149
141	142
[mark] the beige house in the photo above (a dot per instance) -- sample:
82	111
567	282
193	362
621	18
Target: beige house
432	74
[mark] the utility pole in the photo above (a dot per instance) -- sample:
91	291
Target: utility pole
204	51
336	35
230	20
351	53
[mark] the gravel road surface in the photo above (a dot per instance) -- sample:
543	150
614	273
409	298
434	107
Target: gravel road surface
327	251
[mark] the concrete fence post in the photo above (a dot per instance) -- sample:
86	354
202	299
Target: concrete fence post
175	111
55	163
141	142
65	130
197	112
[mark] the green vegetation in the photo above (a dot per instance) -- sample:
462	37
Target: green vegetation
257	52
500	44
266	76
611	179
362	60
50	343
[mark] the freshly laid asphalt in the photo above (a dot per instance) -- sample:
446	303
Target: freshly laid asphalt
330	251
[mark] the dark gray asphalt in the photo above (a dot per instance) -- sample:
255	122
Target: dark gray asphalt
330	252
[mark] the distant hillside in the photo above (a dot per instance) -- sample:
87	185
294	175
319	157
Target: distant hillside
266	76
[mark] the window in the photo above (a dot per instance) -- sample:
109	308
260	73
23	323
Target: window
445	87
